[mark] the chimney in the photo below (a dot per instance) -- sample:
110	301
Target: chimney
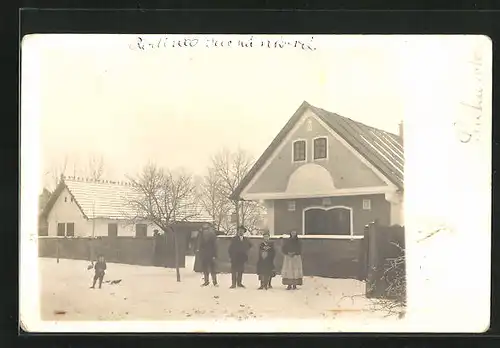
401	130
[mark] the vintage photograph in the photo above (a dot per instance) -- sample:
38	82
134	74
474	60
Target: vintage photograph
223	178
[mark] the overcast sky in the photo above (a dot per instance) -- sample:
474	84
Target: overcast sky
177	107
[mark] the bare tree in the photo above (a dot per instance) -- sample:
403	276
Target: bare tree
252	215
213	200
95	167
43	199
164	198
53	175
225	173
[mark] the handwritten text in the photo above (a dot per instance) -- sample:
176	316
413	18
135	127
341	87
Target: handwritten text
468	128
142	43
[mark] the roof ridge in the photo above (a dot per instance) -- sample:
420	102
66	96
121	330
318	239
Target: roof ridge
96	181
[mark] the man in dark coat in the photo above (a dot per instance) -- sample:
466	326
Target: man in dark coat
238	253
207	252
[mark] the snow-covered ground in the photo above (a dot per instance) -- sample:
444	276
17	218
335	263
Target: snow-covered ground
152	293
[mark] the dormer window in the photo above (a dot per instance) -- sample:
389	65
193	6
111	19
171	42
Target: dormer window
299	150
320	148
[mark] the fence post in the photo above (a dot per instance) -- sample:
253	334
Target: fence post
373	264
57	249
363	257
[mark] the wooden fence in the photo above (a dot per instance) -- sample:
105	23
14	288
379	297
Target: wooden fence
146	251
322	257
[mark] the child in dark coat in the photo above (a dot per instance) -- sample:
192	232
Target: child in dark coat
100	267
265	264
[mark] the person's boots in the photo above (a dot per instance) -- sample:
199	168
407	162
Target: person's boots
294	287
266	283
100	282
93	283
289	287
233	280
269	283
205	279
214	279
261	285
240	280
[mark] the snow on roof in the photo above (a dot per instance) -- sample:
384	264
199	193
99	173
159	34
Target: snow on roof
111	200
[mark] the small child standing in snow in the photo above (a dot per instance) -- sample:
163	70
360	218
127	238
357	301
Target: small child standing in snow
265	264
100	267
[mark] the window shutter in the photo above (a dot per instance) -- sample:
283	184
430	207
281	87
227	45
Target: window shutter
141	230
61	229
112	230
70	229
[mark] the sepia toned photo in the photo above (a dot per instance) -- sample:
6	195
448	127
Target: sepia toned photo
208	183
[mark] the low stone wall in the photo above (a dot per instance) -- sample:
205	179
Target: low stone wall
324	257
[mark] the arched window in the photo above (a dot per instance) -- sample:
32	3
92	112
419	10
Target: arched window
328	221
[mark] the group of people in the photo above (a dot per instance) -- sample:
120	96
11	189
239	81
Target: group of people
206	254
291	272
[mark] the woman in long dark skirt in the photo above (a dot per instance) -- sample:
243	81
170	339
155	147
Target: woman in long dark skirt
291	272
265	264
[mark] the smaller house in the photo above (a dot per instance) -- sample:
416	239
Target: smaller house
82	207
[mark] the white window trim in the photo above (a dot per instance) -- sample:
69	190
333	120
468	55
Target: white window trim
336	193
293	150
336	236
327	149
290	202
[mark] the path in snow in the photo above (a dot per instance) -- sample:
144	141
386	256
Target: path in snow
152	293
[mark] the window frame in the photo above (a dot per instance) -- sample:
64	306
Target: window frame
315	158
145	226
351	235
109	225
67	229
59	224
305	151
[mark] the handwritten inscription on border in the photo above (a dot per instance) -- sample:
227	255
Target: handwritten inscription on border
142	43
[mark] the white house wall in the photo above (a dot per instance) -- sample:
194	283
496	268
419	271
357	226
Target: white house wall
66	212
125	229
69	212
397	209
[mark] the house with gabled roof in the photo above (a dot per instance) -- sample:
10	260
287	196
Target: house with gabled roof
327	176
82	207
